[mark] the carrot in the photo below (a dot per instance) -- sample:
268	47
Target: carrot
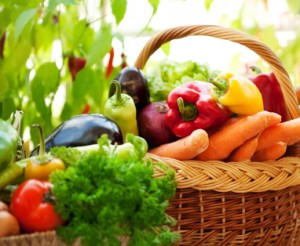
272	152
288	131
233	135
245	151
184	148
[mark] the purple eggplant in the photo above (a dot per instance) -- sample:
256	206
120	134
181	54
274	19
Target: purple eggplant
134	83
82	130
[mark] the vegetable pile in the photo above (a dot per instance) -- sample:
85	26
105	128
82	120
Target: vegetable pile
91	178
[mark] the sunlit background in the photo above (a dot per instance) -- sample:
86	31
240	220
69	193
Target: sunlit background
41	36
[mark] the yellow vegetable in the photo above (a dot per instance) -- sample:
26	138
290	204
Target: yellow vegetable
239	94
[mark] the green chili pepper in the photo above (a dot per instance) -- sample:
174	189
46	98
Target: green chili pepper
12	173
121	108
134	147
8	143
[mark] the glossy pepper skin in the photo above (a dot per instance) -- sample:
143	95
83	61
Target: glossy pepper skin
33	205
8	143
192	107
240	95
41	166
121	109
271	92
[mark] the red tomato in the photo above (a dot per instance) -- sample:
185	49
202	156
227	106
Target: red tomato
33	206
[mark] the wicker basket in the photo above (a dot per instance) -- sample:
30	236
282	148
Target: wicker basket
218	203
237	203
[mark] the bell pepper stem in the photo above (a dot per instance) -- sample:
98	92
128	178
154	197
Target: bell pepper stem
140	144
187	110
255	69
220	87
118	91
42	139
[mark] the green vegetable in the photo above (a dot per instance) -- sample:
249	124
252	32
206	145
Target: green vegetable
121	108
103	197
8	143
133	147
165	75
14	171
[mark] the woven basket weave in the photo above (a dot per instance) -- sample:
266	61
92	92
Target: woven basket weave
237	203
218	203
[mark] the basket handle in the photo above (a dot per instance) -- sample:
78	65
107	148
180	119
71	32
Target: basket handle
233	35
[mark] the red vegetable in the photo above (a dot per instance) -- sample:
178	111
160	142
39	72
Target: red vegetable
110	66
271	92
33	206
75	64
86	109
192	107
152	124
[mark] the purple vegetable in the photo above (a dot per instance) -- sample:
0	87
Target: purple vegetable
152	124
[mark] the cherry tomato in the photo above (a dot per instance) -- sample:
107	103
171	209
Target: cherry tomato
33	205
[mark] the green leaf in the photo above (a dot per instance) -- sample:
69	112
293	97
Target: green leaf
44	82
42	37
101	45
166	48
8	106
54	3
3	85
5	18
49	75
22	20
86	85
118	8
37	93
294	6
18	56
207	4
154	4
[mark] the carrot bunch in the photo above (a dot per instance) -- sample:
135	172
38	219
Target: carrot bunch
258	137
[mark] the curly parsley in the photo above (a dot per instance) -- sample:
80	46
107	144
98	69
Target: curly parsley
103	197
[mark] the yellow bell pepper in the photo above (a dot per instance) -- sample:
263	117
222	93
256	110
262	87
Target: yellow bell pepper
239	94
41	166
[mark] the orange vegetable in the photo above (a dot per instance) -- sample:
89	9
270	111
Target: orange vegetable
185	148
8	224
231	136
245	151
288	131
273	152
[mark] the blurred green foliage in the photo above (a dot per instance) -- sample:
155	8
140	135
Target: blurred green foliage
37	38
33	79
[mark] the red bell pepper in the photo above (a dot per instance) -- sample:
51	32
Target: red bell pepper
271	92
33	206
191	107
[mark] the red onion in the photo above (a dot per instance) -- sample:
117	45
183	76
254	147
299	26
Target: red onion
152	124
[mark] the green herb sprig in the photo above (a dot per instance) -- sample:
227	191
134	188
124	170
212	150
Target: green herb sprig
103	197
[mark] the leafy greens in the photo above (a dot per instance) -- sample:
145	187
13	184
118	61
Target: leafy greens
103	197
166	75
